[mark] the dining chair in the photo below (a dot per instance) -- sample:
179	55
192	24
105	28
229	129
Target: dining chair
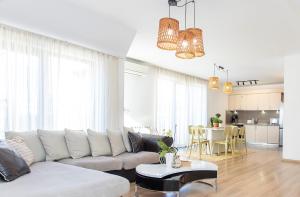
229	134
241	139
198	138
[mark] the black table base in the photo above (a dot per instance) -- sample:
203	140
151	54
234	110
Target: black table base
173	182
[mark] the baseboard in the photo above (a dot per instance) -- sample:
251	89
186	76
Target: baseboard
291	161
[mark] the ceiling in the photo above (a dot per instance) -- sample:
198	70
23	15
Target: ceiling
250	38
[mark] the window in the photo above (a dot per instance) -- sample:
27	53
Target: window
50	84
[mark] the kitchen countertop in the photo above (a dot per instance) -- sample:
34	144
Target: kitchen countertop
262	124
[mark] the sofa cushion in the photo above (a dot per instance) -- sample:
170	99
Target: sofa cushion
131	160
126	138
136	142
53	179
77	143
12	166
55	144
95	163
19	146
33	142
99	143
150	142
116	142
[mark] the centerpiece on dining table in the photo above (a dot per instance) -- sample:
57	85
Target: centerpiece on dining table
215	121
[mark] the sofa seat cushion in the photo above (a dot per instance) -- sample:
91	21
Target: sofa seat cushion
131	160
53	179
101	163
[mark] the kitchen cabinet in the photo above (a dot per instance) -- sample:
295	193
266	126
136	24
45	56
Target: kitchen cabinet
251	102
273	134
250	133
261	134
262	101
274	101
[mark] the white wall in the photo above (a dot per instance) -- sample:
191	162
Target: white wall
291	135
217	102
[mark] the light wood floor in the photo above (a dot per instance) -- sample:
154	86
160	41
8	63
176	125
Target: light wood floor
262	173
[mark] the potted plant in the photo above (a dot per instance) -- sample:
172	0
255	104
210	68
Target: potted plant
216	121
167	153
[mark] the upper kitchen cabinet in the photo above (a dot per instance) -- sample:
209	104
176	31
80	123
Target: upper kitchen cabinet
251	102
261	101
274	101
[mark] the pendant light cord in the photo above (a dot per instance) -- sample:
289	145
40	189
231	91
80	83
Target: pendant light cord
227	75
215	69
169	11
185	14
194	14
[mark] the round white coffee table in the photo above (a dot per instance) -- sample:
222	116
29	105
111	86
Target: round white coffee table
159	177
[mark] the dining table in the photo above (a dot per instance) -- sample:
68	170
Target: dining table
215	134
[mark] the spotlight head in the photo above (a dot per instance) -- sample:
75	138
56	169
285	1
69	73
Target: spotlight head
172	2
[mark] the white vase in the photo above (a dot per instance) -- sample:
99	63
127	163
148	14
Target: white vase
169	159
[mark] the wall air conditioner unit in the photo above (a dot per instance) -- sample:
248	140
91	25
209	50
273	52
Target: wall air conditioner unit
136	69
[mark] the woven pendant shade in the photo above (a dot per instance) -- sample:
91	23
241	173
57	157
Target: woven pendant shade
197	41
168	34
227	89
185	49
213	83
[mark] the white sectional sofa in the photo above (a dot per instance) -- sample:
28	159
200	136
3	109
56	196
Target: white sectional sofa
87	176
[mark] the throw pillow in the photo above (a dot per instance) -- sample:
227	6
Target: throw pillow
19	146
99	143
11	165
116	142
126	139
33	142
136	142
77	143
55	144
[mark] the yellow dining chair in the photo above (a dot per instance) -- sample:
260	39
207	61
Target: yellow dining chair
198	138
241	139
229	133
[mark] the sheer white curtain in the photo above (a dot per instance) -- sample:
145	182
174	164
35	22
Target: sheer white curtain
50	84
181	101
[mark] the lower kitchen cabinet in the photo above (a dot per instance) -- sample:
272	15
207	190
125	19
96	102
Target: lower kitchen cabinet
261	134
273	134
250	133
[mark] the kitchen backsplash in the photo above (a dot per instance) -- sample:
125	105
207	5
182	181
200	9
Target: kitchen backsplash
243	116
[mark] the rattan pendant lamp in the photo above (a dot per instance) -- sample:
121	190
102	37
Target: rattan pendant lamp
198	38
227	89
168	33
213	82
188	43
185	48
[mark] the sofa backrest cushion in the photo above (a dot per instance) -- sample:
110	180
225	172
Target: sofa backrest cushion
99	143
55	144
20	147
33	142
136	142
12	165
116	142
77	143
126	138
150	142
